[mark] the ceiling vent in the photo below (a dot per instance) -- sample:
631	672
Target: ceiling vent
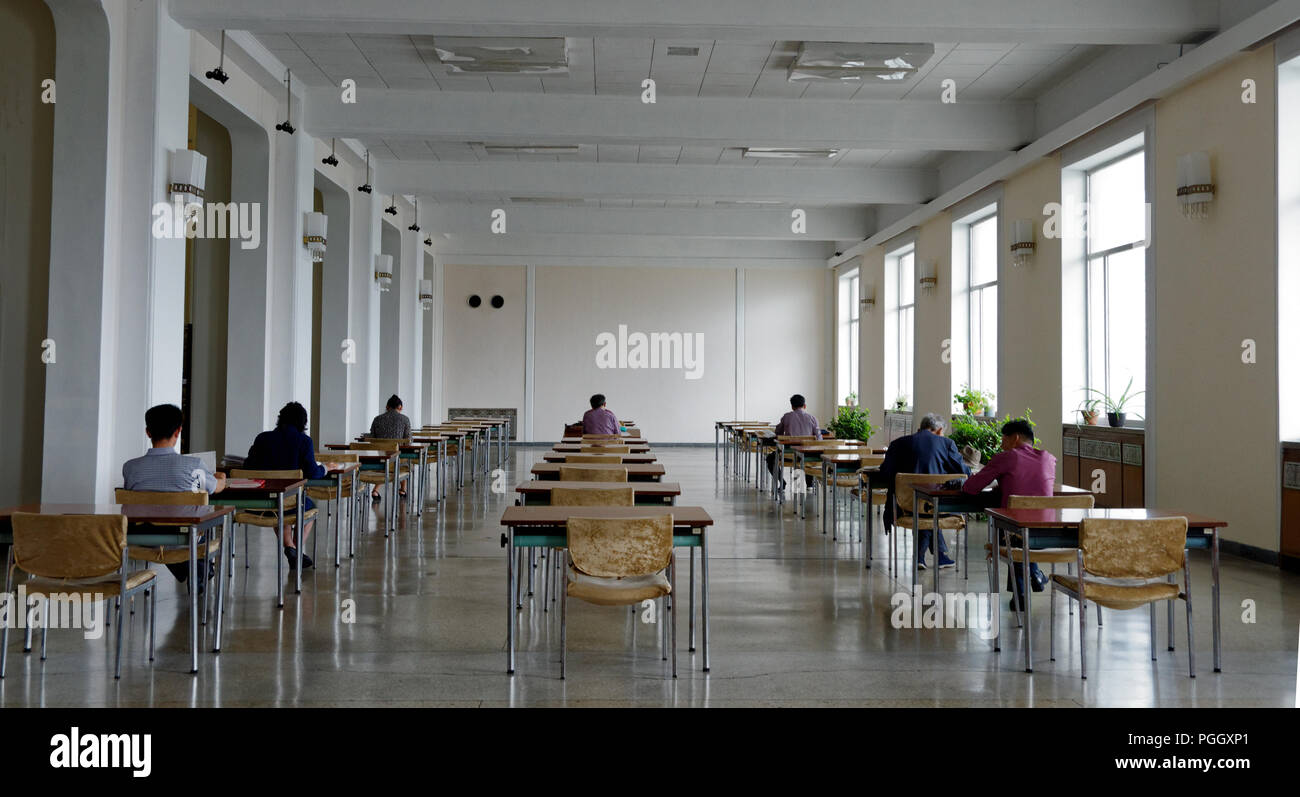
677	50
845	61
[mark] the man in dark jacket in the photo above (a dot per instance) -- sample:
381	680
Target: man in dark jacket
287	447
927	451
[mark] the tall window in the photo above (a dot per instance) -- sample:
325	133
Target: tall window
848	334
982	304
1115	278
900	292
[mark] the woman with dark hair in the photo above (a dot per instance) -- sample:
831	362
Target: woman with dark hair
288	447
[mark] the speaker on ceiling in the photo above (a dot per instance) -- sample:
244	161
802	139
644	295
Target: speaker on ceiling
498	302
475	300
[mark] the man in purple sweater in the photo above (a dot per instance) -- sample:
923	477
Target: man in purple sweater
598	419
798	422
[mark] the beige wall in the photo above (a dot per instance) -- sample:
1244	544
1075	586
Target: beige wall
209	297
26	162
484	347
932	380
786	343
1216	446
1029	301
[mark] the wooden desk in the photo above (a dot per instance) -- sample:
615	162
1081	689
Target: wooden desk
544	527
1059	528
271	496
387	461
143	521
335	473
635	473
538	492
622	441
439	443
575	448
626	459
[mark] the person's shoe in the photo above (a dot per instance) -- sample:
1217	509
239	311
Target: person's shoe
1011	604
1039	581
945	563
375	497
920	564
292	556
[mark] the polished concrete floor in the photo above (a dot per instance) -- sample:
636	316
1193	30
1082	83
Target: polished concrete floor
796	621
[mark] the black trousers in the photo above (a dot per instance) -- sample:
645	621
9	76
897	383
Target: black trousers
775	470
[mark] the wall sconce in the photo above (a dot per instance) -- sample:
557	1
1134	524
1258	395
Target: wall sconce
929	278
313	237
868	300
187	171
384	272
426	294
1195	184
1022	242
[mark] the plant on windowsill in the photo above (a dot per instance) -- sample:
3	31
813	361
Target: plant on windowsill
1116	405
973	402
1088	411
851	399
852	424
900	404
985	436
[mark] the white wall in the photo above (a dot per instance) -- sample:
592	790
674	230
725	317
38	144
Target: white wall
483	353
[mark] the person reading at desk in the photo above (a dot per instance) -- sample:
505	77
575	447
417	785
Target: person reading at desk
164	470
927	451
798	422
1019	469
391	425
599	419
288	447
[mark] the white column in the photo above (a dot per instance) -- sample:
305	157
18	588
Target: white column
408	296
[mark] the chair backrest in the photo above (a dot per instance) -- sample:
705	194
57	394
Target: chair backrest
593	459
606	449
1148	548
619	548
633	432
239	473
177	498
1072	501
600	437
590	474
871	461
69	546
378	445
904	482
336	456
593	496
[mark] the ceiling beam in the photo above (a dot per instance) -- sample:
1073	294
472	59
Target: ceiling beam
798	184
616	250
610	119
1047	21
772	224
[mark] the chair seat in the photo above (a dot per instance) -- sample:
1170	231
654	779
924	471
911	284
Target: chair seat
109	587
1045	556
946	522
849	480
377	477
877	496
267	518
1119	596
171	554
616	591
330	493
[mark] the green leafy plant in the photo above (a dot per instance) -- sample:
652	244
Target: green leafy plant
1088	409
900	404
852	424
973	401
1116	404
985	436
851	399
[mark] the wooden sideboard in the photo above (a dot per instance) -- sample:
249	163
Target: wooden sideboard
1289	540
1120	454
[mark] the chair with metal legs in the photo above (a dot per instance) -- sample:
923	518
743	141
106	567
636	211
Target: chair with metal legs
172	554
1012	553
908	516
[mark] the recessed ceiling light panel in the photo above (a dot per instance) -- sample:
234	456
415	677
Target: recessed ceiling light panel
787	152
503	55
845	61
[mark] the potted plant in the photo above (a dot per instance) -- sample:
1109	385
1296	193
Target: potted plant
851	423
1116	405
973	402
851	399
1088	410
900	404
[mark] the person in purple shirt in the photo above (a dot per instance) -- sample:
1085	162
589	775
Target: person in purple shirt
1019	469
798	422
598	419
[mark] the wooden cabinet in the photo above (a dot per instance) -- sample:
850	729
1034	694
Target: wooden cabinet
1096	456
1289	542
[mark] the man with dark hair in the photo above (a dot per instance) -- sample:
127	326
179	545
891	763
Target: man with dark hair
798	422
164	470
1019	469
288	447
927	451
599	419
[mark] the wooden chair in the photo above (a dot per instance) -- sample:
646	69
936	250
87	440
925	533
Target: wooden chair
619	562
587	496
908	515
605	449
267	518
335	494
593	459
1013	553
171	554
81	555
376	478
589	474
1145	551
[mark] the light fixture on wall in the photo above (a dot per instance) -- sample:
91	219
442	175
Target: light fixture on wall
314	230
928	276
1195	184
285	127
384	272
868	300
330	160
219	74
426	294
1022	242
365	188
415	225
392	209
187	171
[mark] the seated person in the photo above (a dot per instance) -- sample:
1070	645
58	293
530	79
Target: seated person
798	422
391	425
927	451
287	447
1019	469
164	470
598	419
